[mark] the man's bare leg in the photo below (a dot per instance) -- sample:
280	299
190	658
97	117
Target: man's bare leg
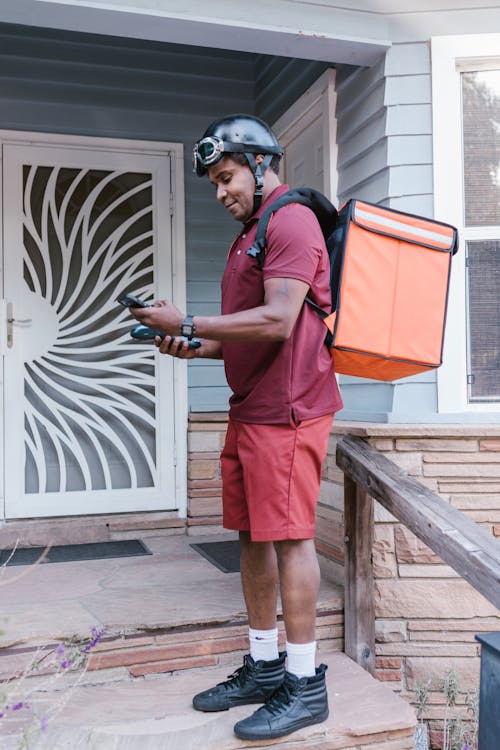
303	699
299	577
260	676
259	580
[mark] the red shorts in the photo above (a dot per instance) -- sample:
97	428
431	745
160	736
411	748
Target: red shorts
271	476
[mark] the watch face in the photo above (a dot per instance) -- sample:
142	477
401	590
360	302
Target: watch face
187	328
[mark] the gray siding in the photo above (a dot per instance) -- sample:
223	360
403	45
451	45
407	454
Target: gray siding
66	82
385	156
279	81
54	81
384	130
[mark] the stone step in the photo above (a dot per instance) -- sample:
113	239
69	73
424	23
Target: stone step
164	612
155	713
198	647
164	650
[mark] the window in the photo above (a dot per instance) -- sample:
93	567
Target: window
481	175
466	133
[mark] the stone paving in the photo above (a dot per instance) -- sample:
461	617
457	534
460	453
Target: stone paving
156	714
173	588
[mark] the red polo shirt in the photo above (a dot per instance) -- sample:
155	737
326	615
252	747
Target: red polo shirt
284	381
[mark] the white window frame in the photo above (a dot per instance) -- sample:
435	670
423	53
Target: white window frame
452	55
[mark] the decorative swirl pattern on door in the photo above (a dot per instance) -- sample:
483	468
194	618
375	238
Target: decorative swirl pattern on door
90	395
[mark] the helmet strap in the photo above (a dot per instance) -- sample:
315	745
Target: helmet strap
259	169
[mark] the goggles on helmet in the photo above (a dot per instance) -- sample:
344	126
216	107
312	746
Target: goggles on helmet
211	149
207	151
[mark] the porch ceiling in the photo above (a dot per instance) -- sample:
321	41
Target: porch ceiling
282	27
355	32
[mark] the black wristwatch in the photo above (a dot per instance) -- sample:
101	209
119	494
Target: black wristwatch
187	327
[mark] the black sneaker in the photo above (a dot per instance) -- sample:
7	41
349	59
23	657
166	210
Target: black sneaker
254	682
295	704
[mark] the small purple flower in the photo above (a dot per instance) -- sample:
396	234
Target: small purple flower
64	664
17	706
43	723
60	649
96	637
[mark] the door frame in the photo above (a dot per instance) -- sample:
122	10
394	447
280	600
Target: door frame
175	152
320	99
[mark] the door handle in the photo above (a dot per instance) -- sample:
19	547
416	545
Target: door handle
11	322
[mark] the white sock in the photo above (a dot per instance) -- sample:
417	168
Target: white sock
301	659
263	644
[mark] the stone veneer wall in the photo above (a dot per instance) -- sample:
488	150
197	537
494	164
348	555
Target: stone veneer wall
206	435
426	616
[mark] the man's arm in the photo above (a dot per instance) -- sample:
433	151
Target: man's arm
271	321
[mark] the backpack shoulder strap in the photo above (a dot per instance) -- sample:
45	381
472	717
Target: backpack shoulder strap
313	199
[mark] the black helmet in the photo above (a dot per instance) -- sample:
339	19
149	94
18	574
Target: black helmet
241	134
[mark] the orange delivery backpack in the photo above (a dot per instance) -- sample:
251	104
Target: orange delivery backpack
389	278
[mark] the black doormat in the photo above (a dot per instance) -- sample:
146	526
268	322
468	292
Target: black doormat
75	552
224	555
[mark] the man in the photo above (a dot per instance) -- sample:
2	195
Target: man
281	411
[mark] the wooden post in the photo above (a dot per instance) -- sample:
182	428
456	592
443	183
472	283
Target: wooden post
359	608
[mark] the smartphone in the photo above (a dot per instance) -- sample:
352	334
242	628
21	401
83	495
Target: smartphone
143	333
128	300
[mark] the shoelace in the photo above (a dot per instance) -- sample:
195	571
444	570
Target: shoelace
280	698
236	678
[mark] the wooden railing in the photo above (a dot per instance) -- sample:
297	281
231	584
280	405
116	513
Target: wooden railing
466	547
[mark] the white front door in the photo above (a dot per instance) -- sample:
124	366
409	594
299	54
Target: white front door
88	411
